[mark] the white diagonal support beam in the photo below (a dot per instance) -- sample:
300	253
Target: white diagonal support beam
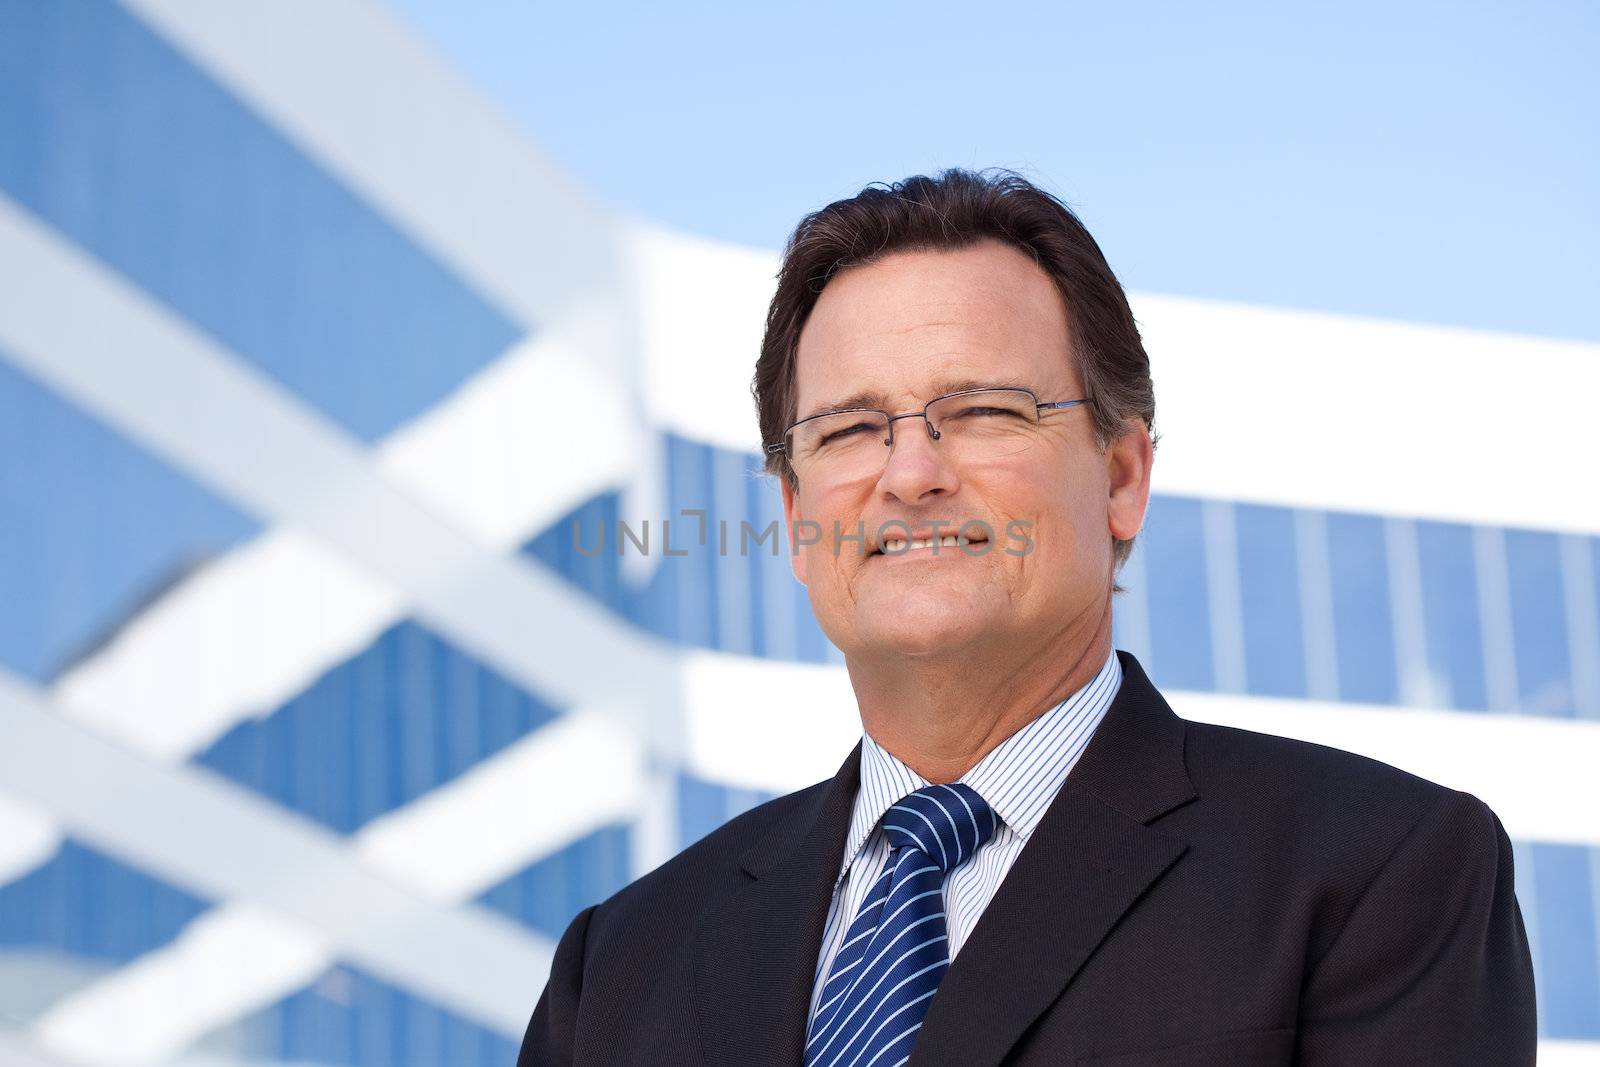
223	842
546	791
301	896
195	662
74	324
19	1050
28	838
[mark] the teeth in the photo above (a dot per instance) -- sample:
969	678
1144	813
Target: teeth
900	544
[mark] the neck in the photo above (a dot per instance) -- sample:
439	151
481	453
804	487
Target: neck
941	714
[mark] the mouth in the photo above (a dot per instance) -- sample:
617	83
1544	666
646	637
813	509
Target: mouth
900	546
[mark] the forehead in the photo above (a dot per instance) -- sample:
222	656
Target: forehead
914	324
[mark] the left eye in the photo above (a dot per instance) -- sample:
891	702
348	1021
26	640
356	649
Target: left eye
977	412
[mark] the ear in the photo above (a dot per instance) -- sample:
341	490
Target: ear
791	512
1128	476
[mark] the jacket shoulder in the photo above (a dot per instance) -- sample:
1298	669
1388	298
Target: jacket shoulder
1285	767
1316	796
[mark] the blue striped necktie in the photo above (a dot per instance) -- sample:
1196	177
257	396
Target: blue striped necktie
897	950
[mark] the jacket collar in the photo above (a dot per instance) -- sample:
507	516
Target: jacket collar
1094	850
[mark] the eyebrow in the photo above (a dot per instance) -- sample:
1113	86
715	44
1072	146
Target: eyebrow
942	387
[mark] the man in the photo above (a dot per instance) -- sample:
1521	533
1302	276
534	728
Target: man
1029	859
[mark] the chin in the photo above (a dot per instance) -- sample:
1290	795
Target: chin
923	625
914	646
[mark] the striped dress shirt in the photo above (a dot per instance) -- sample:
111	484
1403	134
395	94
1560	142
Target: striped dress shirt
1018	779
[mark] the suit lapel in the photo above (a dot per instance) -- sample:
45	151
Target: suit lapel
1091	857
756	949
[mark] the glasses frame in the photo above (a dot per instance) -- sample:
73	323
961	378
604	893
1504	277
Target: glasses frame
778	448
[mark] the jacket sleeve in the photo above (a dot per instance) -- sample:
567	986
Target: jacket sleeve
1432	965
551	1032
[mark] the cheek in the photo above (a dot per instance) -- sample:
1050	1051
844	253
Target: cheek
1054	540
1064	532
817	517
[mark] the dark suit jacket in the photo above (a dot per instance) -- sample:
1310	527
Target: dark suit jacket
1194	895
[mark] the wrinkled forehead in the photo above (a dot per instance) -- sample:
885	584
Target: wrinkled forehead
900	331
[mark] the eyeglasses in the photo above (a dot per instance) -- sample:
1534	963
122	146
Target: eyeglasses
971	425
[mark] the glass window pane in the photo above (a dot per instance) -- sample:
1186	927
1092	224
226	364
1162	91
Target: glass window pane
1539	623
779	592
1569	986
735	623
812	645
1270	597
1450	614
1130	612
1586	645
581	546
692	577
81	903
702	807
554	888
1363	627
1174	557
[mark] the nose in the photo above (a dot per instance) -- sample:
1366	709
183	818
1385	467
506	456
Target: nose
917	467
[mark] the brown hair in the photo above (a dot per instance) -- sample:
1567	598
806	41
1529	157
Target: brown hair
954	210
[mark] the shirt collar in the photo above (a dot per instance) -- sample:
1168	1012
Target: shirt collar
1018	778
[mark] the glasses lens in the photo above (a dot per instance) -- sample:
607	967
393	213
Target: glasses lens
841	445
986	424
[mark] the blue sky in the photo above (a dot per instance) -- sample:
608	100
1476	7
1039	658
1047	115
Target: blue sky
1428	161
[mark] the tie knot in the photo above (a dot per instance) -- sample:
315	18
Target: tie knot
947	822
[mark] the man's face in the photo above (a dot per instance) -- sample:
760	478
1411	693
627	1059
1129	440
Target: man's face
905	330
